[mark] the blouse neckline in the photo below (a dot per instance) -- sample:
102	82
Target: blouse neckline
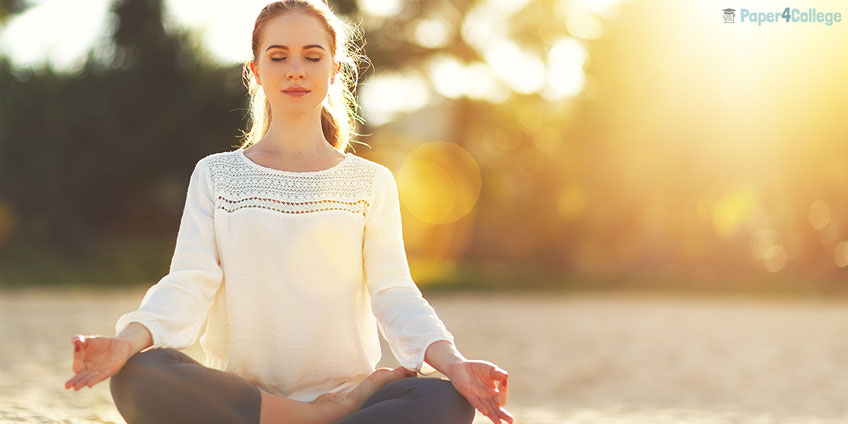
240	153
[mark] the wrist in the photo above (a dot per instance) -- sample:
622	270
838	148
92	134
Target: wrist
125	346
444	356
136	337
454	367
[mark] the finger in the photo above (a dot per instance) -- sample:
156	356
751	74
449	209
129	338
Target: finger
498	374
503	388
80	383
79	355
90	381
505	415
100	377
75	379
494	409
70	383
478	405
488	409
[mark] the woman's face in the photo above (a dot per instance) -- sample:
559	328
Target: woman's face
294	51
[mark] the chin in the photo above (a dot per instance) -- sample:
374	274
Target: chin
298	109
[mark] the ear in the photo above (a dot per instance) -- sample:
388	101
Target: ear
338	68
255	72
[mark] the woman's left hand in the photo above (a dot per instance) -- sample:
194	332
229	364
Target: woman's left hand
476	381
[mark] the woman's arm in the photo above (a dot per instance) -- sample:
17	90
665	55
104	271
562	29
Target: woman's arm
411	327
405	318
174	309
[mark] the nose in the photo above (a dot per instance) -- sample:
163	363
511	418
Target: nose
295	71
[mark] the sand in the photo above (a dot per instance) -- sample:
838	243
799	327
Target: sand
580	358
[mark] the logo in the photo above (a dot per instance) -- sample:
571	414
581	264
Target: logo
789	15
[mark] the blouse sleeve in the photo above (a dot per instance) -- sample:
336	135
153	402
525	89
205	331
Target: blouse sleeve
405	318
175	308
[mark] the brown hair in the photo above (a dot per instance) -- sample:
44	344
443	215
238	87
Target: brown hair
338	113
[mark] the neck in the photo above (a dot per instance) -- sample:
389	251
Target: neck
295	135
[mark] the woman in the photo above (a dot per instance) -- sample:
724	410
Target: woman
291	254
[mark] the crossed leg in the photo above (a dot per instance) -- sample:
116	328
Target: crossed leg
167	386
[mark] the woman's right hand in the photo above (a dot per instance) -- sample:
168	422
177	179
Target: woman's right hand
97	358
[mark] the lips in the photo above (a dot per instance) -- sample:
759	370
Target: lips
296	90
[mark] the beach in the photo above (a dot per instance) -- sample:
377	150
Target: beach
572	358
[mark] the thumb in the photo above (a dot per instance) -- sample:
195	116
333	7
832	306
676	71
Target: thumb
499	374
502	391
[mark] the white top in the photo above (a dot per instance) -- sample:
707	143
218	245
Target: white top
292	273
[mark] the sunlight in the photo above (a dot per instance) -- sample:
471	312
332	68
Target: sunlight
381	8
480	24
571	203
767	247
432	33
486	28
439	182
385	95
565	77
449	77
730	211
585	25
452	80
548	140
224	28
840	254
518	68
57	32
829	234
600	7
483	85
819	214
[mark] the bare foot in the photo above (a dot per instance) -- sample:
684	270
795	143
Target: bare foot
350	401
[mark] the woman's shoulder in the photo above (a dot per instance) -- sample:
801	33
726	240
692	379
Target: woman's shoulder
218	158
368	164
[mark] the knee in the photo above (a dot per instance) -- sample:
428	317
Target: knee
137	380
140	367
449	406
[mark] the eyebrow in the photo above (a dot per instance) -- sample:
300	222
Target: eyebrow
310	46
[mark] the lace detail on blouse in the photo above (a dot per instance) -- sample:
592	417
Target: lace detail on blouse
240	184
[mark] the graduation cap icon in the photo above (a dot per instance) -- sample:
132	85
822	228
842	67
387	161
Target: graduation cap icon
728	15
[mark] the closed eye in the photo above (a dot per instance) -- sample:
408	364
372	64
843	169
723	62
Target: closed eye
279	59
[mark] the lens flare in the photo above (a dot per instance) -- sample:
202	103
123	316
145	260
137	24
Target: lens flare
439	182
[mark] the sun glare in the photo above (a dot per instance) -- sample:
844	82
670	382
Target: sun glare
439	182
58	32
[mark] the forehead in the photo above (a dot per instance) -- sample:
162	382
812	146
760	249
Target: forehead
294	30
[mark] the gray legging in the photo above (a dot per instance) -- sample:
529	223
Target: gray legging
166	386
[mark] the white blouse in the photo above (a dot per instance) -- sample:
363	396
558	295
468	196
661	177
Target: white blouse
292	273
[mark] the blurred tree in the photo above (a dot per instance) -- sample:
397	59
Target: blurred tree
9	8
108	151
